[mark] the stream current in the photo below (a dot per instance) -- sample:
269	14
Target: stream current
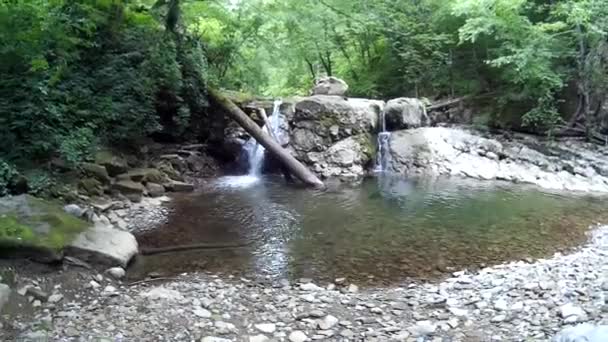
387	230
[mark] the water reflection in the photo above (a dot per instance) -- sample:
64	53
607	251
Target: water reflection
386	230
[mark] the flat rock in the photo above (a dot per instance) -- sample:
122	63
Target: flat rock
177	186
104	245
297	336
267	328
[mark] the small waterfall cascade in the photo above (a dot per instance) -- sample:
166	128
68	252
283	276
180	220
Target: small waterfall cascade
255	151
383	157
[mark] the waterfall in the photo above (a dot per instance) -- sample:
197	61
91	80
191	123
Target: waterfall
383	157
255	151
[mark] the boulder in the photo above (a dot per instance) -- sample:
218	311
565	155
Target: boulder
103	245
459	152
143	175
132	190
330	86
178	186
98	172
113	163
5	292
31	227
91	187
404	113
332	134
155	190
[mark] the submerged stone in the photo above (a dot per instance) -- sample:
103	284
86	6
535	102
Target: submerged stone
31	227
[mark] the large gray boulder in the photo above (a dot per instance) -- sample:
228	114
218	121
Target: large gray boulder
330	86
404	113
104	245
458	152
333	135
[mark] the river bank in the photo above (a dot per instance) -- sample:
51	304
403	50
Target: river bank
510	302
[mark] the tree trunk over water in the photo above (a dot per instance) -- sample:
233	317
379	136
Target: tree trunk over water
294	166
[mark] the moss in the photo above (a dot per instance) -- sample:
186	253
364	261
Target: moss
32	223
367	142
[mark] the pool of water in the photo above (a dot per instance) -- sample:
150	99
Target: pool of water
387	230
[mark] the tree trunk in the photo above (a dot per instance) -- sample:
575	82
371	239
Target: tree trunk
291	163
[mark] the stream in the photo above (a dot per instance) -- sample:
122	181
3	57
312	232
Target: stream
387	230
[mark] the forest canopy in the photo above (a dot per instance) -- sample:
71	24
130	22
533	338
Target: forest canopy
77	74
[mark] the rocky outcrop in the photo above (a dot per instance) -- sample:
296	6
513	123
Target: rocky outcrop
330	86
104	245
404	113
333	135
450	151
31	227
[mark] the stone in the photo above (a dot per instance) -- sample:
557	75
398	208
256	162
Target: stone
352	288
297	336
177	186
96	171
143	175
104	245
501	305
116	272
423	328
132	190
498	318
405	113
202	313
155	190
162	293
74	210
330	86
55	298
258	338
37	229
267	328
584	333
91	187
114	163
310	287
5	292
328	322
572	313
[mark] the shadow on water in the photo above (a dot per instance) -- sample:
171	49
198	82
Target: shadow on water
387	230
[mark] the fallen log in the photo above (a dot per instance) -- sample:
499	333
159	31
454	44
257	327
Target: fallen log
273	147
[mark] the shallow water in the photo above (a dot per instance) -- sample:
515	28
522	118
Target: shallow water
387	230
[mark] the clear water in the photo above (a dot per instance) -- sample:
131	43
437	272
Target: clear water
387	230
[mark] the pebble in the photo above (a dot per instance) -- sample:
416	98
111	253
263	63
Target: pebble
328	322
258	338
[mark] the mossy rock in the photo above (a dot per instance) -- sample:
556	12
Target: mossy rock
114	163
143	175
31	227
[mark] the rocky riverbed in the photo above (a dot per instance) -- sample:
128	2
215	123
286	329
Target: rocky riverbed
519	301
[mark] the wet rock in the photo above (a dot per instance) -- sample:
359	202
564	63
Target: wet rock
116	272
177	186
104	245
155	190
297	336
